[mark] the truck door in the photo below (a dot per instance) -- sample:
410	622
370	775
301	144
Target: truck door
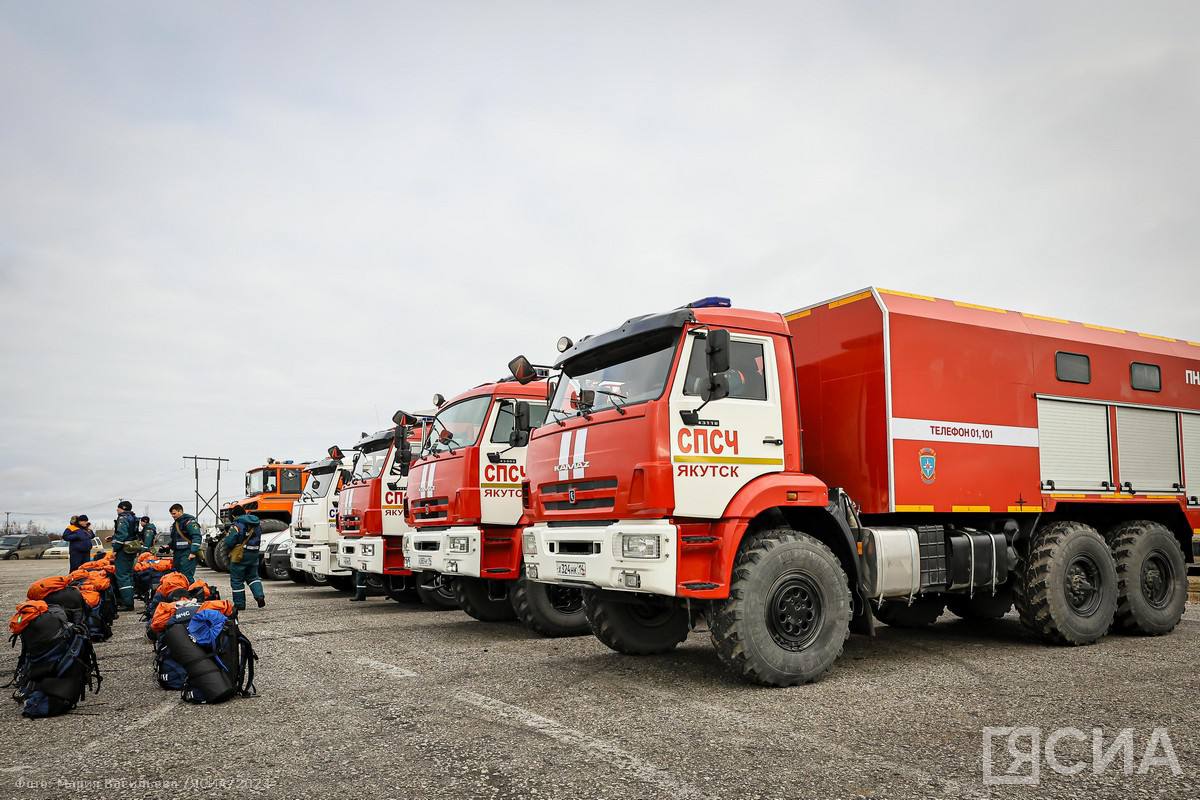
501	468
737	438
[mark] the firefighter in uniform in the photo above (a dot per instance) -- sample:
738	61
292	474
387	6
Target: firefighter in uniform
127	543
149	531
243	542
186	538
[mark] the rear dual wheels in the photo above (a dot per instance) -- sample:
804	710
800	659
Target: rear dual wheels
1067	589
1151	578
788	612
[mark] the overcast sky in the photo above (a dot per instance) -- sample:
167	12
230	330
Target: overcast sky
257	229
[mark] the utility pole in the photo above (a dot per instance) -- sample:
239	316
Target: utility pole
213	503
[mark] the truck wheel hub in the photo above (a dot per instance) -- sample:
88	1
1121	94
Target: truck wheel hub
795	611
1083	585
1156	579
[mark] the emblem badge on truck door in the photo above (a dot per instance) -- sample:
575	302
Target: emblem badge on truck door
928	460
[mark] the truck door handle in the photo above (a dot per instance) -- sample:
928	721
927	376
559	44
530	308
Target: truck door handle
772	440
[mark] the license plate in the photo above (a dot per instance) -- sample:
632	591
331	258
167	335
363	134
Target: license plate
424	561
572	569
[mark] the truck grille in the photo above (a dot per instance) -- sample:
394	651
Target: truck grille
579	495
431	508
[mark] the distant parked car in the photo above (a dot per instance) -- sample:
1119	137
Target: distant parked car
59	549
23	545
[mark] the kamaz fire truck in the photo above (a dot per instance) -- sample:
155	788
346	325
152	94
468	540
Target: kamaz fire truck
882	455
314	518
371	517
271	491
464	505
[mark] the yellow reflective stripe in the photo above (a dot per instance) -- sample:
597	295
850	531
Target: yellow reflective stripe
978	307
909	294
1047	319
499	486
854	298
900	508
1152	336
798	314
1068	495
1104	328
1019	509
970	508
726	460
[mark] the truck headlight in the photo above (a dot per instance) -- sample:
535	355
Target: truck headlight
367	550
639	545
529	543
459	544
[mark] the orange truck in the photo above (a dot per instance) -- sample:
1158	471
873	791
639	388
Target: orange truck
271	491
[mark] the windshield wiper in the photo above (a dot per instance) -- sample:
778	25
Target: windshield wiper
615	395
559	420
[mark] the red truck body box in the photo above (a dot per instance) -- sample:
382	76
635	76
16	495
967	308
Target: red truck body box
918	404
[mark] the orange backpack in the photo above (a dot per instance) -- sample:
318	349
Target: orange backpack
205	590
90	596
172	581
27	612
39	589
224	606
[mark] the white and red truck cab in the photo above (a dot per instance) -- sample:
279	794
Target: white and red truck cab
371	520
314	518
464	506
881	455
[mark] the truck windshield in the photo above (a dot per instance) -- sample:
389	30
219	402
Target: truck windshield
623	373
254	482
459	425
319	483
370	463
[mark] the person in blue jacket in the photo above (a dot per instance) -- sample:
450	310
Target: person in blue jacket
186	538
127	544
246	531
79	537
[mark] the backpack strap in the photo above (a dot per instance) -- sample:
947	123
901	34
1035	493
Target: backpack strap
246	660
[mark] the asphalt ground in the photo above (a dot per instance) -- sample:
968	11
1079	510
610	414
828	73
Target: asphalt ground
382	700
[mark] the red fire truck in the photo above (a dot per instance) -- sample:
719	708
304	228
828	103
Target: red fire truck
371	517
464	505
951	455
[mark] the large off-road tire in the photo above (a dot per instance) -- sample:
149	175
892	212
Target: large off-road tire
549	609
1066	591
984	605
210	558
788	612
923	611
314	579
221	557
396	588
639	626
474	597
343	583
1151	578
439	596
276	572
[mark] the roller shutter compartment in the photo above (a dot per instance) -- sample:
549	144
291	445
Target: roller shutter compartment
1074	446
1148	449
1191	454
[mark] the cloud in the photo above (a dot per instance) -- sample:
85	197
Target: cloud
254	231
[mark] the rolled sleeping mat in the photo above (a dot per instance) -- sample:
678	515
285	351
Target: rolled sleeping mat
207	682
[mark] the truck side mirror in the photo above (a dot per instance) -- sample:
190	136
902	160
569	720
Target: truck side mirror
521	425
551	388
586	398
716	357
522	371
403	419
403	451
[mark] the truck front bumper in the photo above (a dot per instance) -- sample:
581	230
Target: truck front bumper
594	556
361	555
454	551
318	559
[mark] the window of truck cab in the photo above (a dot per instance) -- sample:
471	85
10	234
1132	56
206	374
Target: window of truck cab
370	463
291	480
747	373
462	421
623	373
254	482
319	482
503	427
